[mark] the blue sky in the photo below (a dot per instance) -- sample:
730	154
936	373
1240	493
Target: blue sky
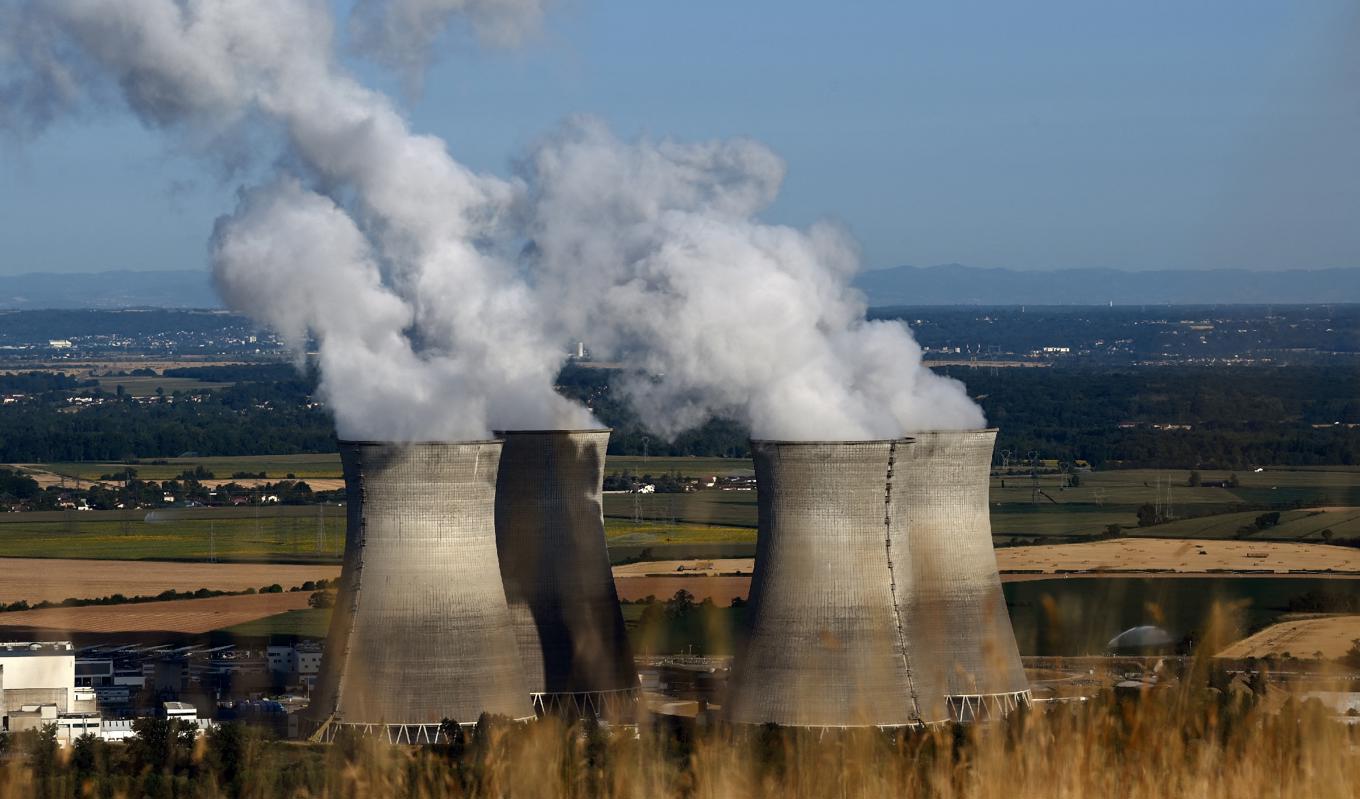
1029	135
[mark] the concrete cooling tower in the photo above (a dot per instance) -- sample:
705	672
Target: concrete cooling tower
565	610
965	664
421	631
825	646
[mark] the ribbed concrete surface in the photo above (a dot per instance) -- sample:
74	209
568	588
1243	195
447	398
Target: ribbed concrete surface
824	646
550	537
958	632
421	630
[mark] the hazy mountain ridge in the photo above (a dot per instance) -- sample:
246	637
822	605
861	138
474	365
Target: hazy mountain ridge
107	290
948	284
955	284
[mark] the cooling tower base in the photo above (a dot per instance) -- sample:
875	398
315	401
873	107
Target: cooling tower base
411	734
621	705
986	707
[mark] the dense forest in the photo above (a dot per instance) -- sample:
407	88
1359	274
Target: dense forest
271	414
1175	417
1221	417
1224	417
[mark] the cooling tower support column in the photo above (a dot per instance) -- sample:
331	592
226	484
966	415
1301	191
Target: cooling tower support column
421	631
550	537
825	647
965	664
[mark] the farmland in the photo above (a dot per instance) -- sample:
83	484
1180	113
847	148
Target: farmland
1100	500
1306	524
1050	616
328	465
274	466
300	534
1180	556
1124	555
148	385
722	590
54	580
1322	637
687	525
184	616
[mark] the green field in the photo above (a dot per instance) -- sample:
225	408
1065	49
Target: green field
146	385
624	533
275	533
726	508
701	519
1295	525
275	466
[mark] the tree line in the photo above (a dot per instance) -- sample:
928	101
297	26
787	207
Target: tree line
1169	417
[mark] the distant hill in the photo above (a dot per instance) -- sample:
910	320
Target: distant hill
950	284
108	290
954	284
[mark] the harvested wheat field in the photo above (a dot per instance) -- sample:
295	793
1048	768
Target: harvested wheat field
719	579
1153	557
1321	637
35	579
48	479
672	568
177	616
1181	556
721	590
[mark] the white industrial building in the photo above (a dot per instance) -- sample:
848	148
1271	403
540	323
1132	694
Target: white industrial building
38	687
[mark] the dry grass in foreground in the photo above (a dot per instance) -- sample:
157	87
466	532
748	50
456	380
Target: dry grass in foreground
1180	742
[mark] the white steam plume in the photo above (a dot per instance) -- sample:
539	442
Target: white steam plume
654	249
422	334
391	255
403	32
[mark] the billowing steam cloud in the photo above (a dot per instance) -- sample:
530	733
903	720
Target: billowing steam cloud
408	269
420	334
658	241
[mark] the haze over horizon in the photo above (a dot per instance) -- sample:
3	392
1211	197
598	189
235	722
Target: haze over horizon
1150	137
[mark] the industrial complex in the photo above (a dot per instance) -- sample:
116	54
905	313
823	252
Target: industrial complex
476	580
